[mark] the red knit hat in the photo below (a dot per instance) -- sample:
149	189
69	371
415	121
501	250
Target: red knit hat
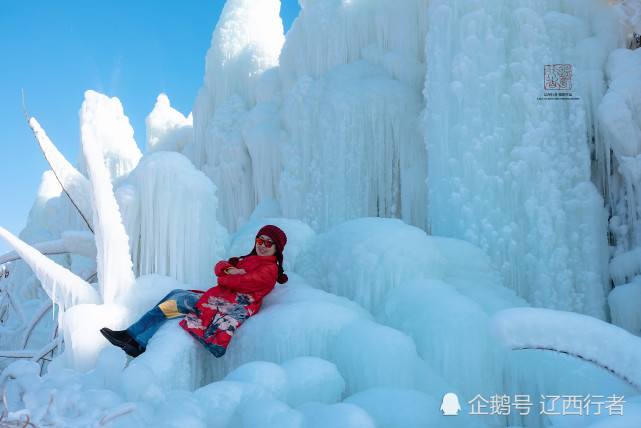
277	235
280	239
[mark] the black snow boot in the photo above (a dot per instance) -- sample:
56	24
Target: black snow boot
122	339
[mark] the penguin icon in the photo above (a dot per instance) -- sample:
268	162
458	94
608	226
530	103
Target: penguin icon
450	405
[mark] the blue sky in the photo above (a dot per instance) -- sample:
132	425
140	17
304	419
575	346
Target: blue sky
133	50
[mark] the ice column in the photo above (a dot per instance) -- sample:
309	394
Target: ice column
169	211
246	42
353	138
351	75
331	33
115	274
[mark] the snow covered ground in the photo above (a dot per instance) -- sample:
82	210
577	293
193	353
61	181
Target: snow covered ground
454	230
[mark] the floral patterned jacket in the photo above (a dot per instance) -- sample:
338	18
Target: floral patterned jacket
223	308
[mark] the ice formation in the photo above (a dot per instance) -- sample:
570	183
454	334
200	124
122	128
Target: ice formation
621	122
115	274
167	128
245	43
351	86
540	217
64	288
104	124
431	192
624	301
71	241
574	334
73	183
169	212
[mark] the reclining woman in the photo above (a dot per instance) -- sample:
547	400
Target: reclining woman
213	316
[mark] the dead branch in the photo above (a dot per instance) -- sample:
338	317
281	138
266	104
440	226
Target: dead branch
91	277
5	422
54	335
51	166
13	256
116	413
3	305
12	301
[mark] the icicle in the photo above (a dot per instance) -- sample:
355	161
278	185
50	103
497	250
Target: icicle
509	171
246	42
169	208
354	149
115	273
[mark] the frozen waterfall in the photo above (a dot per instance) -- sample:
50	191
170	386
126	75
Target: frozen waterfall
451	177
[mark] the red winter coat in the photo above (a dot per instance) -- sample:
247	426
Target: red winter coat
222	309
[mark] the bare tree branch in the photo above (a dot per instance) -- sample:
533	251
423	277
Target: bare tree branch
581	357
56	173
12	301
36	355
71	242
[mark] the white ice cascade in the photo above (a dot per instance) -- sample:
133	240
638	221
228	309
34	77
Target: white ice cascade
169	211
115	273
246	42
63	287
102	118
351	104
167	128
508	171
620	117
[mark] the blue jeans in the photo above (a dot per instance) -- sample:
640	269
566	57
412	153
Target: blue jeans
176	304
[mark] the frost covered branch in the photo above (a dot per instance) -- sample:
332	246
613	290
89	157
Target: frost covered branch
573	334
63	287
74	242
13	256
37	355
74	184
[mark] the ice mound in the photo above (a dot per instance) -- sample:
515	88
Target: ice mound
363	259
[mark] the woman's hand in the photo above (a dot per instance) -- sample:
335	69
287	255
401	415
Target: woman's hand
236	271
